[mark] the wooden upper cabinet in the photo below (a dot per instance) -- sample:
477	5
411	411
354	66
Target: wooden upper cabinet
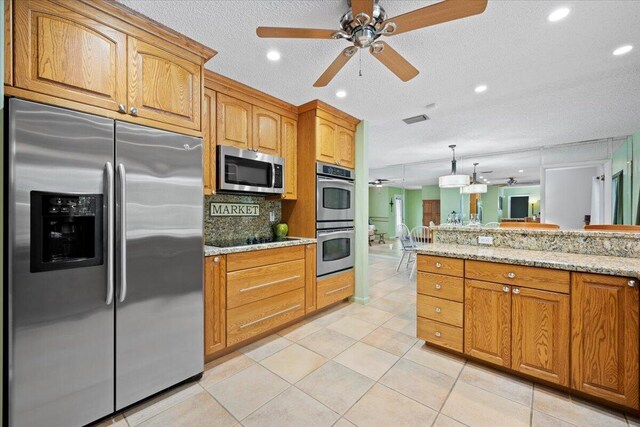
540	334
233	124
290	154
63	53
266	131
209	141
487	322
163	86
345	148
325	141
605	337
214	304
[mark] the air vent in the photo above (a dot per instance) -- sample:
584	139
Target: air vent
416	119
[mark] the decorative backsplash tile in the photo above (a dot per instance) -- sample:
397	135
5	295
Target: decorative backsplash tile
221	229
577	242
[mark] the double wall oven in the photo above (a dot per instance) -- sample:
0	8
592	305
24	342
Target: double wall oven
335	214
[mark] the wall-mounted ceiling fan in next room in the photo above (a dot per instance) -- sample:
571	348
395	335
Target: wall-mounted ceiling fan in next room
366	21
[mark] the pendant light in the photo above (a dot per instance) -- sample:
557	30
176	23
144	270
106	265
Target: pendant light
475	187
453	180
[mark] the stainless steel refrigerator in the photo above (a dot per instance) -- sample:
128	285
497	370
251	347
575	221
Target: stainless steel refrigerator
105	253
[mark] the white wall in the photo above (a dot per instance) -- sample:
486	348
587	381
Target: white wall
567	195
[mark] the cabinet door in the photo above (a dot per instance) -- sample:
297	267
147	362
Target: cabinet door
540	334
233	124
266	131
290	154
604	337
310	278
345	148
163	86
325	141
68	55
209	141
487	323
214	304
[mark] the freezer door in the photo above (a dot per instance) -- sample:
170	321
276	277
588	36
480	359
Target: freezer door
159	314
61	317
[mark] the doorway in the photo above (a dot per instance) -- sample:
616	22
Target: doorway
399	211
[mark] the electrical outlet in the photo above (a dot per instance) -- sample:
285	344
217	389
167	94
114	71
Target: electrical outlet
272	216
485	240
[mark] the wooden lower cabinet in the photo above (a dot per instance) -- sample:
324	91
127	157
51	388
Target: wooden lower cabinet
540	334
310	279
487	323
440	334
260	316
605	337
215	332
335	288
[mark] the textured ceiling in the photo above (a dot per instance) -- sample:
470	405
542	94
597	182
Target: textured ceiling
549	83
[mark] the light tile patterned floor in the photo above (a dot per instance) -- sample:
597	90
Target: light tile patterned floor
363	366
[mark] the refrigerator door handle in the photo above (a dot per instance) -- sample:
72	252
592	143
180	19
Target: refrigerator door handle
122	179
110	236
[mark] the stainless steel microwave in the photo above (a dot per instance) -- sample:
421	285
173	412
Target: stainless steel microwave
249	171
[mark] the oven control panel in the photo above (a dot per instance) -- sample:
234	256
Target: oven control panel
334	171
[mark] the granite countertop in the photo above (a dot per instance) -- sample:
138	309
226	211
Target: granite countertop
615	266
213	250
534	232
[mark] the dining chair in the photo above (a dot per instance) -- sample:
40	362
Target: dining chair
407	243
421	235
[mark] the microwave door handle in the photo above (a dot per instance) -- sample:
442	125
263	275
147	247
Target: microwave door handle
273	175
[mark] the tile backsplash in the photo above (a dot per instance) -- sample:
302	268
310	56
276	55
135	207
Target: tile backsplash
219	230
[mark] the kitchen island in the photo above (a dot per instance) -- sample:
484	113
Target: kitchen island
568	320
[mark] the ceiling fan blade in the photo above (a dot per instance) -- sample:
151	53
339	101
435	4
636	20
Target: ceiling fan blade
445	11
335	66
362	6
294	33
393	61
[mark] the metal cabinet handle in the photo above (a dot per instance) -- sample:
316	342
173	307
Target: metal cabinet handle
122	108
632	283
516	291
505	289
133	111
438	309
262	319
438	265
511	275
337	290
110	238
437	286
216	259
122	179
438	334
337	162
264	285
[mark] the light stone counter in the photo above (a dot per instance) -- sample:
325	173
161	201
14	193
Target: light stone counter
611	265
213	250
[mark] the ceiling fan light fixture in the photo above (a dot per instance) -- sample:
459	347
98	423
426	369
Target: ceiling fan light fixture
453	180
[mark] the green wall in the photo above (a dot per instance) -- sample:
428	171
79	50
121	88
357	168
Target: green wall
413	208
533	192
430	192
619	162
449	202
383	215
490	204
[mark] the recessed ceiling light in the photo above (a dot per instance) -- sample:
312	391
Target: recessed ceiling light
485	179
488	182
521	170
559	14
622	50
341	94
481	177
273	55
481	88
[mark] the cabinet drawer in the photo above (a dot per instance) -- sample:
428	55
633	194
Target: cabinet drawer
253	284
441	265
261	316
440	334
544	279
438	285
253	259
335	288
439	309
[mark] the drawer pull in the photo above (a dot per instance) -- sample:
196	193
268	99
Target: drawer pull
505	289
275	282
337	290
437	286
438	265
632	283
438	309
286	310
511	275
516	291
438	334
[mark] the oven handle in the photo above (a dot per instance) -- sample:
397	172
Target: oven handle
331	233
342	181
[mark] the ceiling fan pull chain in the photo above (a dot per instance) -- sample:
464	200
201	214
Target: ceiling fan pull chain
360	71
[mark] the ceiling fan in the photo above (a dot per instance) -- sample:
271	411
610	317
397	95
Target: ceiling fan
366	22
379	181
